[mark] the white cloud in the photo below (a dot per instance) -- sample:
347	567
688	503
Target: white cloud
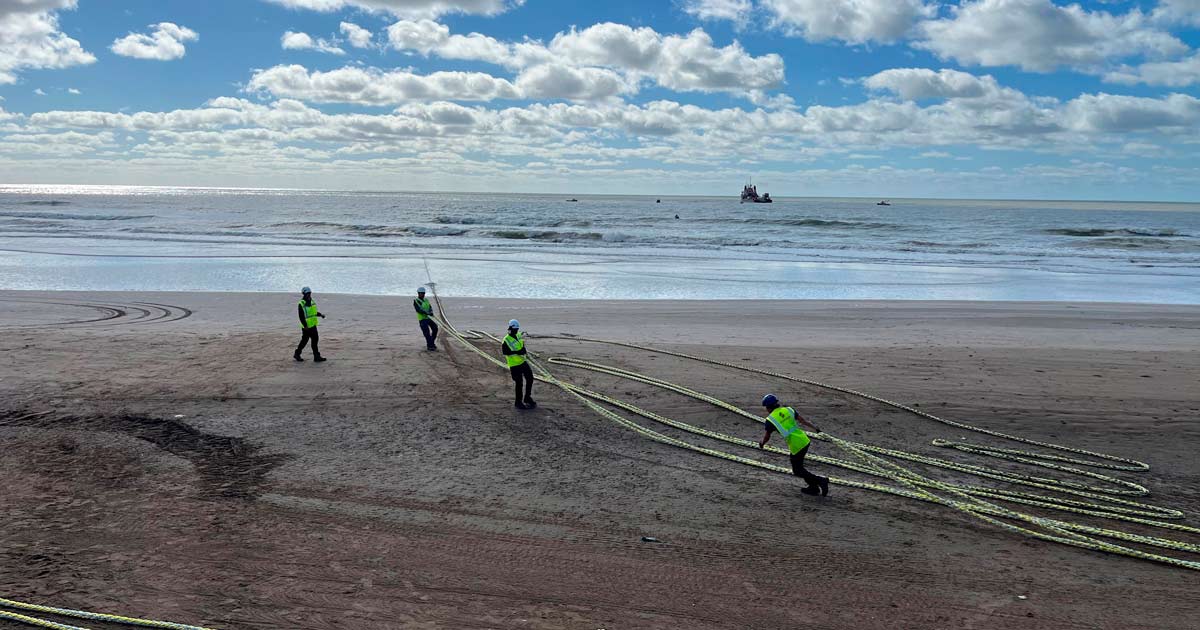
40	92
358	36
30	38
164	44
414	9
1172	12
375	87
303	41
1109	113
923	83
733	10
431	38
689	62
553	81
1040	36
1180	73
74	91
852	21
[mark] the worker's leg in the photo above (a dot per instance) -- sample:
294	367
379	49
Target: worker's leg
425	331
517	376
303	342
434	329
529	385
315	339
811	480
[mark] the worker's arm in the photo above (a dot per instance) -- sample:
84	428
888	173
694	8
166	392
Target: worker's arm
766	436
417	308
768	429
808	424
505	349
303	319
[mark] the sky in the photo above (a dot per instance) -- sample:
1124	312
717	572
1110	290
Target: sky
1033	99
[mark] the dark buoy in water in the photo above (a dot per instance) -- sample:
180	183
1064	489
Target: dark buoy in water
658	201
677	216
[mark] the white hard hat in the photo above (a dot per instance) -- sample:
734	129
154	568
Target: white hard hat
420	289
306	290
512	323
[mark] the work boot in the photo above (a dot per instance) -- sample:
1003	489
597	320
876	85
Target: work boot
824	483
529	403
319	359
431	348
520	405
297	357
811	491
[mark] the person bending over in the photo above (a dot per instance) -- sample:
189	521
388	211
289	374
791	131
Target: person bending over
784	420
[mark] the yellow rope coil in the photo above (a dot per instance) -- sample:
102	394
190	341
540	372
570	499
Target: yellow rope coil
867	459
81	614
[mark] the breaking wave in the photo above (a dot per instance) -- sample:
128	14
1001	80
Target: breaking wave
75	217
1100	232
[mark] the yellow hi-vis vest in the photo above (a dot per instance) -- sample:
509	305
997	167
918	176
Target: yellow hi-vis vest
784	419
424	305
310	314
514	344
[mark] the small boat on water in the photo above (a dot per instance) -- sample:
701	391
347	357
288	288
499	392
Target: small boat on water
885	202
750	194
572	199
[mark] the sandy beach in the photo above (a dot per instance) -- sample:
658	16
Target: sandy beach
164	456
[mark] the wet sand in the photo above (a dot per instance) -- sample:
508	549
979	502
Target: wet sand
185	468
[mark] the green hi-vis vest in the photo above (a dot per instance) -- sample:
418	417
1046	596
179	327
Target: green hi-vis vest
425	309
310	314
515	344
784	419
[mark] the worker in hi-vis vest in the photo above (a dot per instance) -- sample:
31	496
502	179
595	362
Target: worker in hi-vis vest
424	310
513	348
307	309
787	422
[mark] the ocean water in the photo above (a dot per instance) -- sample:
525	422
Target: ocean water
486	245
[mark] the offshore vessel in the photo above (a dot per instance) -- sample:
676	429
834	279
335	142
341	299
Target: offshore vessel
750	194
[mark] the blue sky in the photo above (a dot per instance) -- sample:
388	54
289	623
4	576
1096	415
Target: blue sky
878	98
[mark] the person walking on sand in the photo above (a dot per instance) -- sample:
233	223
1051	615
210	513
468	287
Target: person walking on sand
307	310
784	420
513	348
424	310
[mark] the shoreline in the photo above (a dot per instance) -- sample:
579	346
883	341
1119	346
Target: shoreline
548	274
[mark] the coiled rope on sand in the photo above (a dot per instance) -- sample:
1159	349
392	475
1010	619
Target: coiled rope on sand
1101	501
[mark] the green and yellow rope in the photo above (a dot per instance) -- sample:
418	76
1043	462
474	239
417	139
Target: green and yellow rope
1102	501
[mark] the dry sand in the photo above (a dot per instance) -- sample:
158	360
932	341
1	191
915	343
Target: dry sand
190	470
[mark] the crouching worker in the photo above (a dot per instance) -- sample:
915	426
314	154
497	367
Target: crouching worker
784	420
513	348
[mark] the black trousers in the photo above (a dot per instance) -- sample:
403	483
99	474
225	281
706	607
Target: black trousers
429	328
799	470
523	373
309	333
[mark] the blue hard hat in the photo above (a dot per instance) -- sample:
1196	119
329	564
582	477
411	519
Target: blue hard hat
769	400
514	324
306	290
420	289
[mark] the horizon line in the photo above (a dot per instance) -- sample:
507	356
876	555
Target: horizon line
4	186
